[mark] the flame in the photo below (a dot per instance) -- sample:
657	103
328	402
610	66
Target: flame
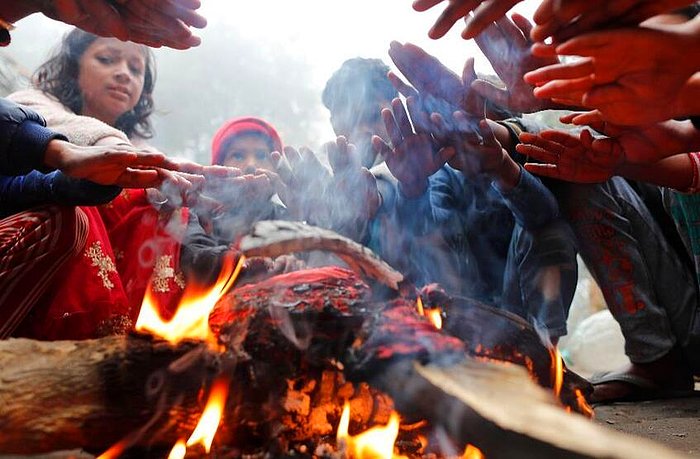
557	370
375	443
583	405
209	422
419	306
114	452
191	320
472	452
178	451
435	317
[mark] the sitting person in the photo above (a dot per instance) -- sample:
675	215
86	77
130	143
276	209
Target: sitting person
246	144
96	91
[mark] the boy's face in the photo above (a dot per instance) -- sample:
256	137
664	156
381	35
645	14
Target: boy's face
247	152
359	123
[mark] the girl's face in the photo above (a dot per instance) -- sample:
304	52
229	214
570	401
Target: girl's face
111	78
247	152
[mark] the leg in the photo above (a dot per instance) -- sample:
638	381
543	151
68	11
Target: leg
541	276
34	246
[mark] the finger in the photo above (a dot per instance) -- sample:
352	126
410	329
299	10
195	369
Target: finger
591	118
488	12
401	118
562	138
560	88
424	5
293	157
562	71
544	12
492	93
599	96
419	116
382	148
453	13
543	170
522	23
540	142
392	128
401	86
491	42
539	153
512	33
139	178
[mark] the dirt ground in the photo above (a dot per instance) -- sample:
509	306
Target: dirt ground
675	423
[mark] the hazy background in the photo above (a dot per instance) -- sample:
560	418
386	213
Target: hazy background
268	58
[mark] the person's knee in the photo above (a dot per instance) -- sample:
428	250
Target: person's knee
73	226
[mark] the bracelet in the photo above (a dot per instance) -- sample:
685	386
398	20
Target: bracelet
695	184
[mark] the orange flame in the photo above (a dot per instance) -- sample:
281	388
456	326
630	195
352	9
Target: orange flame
472	452
557	370
191	320
114	452
211	416
435	317
583	405
375	443
178	451
419	306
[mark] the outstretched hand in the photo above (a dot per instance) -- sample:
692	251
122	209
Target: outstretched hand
632	76
153	23
483	13
413	155
562	20
121	165
506	44
566	157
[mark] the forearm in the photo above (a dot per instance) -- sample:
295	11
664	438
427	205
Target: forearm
531	203
688	100
673	172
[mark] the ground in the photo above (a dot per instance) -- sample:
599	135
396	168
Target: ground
675	423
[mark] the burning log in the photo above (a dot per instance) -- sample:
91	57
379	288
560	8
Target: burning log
272	238
295	340
91	394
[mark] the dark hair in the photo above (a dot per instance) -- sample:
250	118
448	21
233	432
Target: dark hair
58	77
689	11
358	80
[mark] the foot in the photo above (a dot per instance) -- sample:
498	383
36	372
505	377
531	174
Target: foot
665	377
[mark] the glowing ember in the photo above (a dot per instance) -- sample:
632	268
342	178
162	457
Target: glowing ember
583	405
419	306
209	422
472	452
114	452
375	443
435	317
191	320
178	451
557	370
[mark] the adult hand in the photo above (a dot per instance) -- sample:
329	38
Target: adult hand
431	77
352	198
562	20
413	156
639	144
151	22
484	12
506	44
632	76
120	165
567	157
303	182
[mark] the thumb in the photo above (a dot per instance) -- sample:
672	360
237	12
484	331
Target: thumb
491	92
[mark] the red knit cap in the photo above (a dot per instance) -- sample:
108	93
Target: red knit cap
243	125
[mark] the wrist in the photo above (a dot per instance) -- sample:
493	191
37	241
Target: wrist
54	158
507	176
413	190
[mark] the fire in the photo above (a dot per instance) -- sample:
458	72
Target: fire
557	370
375	443
191	321
472	452
583	405
209	422
178	451
435	317
419	306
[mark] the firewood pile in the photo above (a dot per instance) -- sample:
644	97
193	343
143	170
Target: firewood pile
292	351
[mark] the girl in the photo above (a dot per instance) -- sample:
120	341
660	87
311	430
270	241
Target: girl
98	91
